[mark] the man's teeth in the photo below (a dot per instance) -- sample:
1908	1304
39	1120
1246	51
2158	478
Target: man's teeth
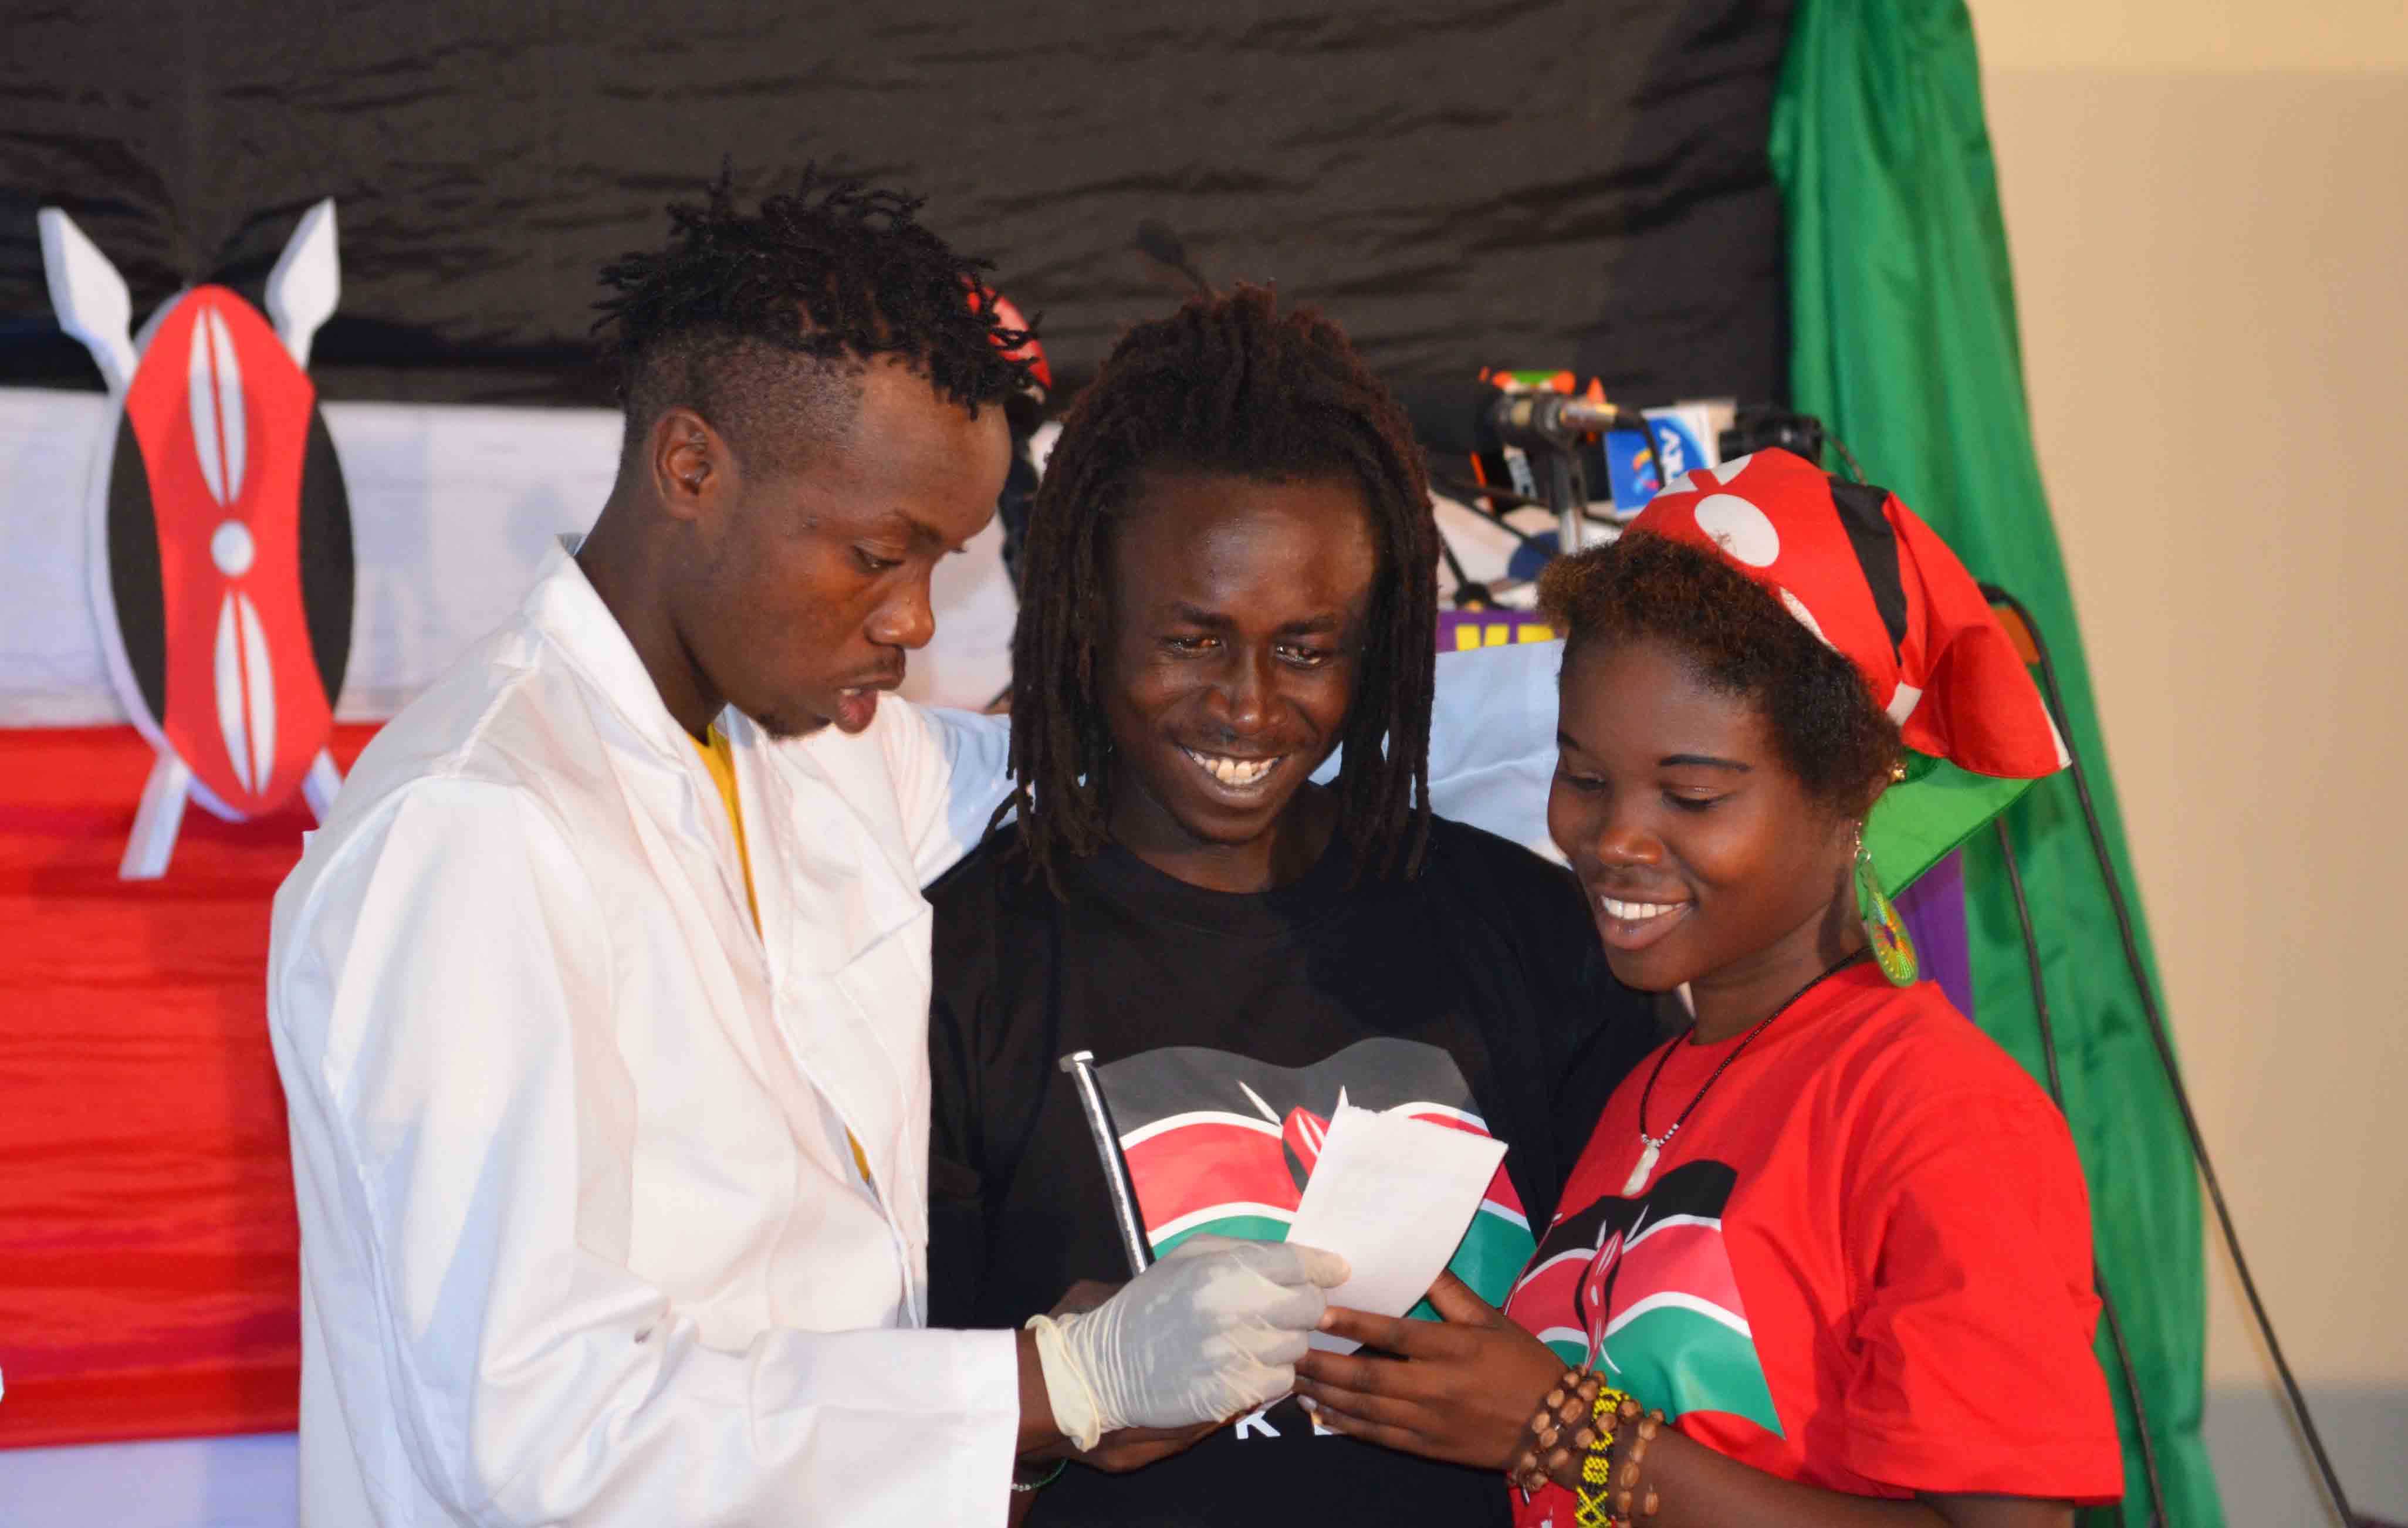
1232	772
1637	912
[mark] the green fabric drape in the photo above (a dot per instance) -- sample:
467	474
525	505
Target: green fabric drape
1905	344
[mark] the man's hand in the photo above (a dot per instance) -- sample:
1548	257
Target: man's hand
1460	1389
1210	1330
1131	1448
1117	1453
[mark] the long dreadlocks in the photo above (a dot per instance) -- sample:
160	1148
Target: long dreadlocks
1227	384
762	324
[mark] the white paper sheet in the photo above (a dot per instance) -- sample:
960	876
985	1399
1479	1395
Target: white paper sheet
1392	1195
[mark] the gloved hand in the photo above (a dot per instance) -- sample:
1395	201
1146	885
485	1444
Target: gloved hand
1212	1331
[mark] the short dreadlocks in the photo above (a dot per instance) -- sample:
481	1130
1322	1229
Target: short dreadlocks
1227	384
762	325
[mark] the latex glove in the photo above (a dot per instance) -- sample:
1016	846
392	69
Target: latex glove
1212	1331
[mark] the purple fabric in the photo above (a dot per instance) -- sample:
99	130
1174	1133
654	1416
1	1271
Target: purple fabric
1934	910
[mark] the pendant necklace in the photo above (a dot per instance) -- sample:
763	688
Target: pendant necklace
1652	1146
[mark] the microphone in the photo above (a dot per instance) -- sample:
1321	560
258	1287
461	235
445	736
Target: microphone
1158	243
1478	419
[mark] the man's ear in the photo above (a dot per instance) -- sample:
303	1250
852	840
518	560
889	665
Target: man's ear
691	464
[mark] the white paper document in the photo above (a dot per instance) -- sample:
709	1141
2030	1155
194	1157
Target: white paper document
1392	1195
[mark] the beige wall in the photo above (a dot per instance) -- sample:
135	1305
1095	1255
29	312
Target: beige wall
2208	210
2210	36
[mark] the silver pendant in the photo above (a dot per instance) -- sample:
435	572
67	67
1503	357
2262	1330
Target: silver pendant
1638	1180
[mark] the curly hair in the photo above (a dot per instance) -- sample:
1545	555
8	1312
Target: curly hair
1226	385
763	324
1739	641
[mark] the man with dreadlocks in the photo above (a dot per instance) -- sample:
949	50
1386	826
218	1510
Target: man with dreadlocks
600	999
1230	573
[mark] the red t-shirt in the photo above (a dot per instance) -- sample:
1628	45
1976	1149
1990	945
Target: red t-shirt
1862	1264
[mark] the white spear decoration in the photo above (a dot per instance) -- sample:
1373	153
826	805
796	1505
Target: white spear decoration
93	305
307	281
302	291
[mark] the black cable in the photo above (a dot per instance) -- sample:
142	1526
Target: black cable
1503	499
1847	456
2157	1024
1654	452
1465	493
1466	589
2057	1092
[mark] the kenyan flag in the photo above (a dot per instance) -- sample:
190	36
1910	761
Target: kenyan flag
1223	1144
1646	1284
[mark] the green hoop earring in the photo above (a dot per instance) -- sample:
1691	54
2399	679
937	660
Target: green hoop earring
1893	947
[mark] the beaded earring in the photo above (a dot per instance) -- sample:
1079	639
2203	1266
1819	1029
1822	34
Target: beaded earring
1893	947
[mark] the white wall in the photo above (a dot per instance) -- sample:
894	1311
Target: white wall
2208	210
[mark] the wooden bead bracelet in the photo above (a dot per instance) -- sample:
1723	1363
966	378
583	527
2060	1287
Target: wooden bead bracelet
1557	1432
1574	1438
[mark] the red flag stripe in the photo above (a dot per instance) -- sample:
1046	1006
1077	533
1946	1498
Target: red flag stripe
1678	1256
1211	1161
1502	1195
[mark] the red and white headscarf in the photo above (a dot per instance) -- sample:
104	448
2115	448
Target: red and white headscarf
1862	572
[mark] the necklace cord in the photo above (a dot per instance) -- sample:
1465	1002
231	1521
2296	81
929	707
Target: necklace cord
1784	1006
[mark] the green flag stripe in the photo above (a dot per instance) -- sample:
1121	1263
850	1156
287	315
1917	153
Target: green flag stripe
1252	1227
1683	1361
1904	344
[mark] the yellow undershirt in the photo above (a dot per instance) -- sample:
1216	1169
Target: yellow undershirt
721	762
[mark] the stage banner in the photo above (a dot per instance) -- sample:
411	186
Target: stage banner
1904	327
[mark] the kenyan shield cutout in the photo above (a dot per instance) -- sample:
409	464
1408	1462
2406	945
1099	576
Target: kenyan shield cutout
221	565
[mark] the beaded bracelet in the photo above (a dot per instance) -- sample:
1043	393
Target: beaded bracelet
1544	1442
1041	1481
1606	1492
1626	1478
1591	1489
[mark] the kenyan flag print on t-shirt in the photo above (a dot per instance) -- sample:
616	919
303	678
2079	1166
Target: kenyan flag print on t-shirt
1223	1144
1645	1285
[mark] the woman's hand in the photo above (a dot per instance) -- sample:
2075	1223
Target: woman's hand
1459	1390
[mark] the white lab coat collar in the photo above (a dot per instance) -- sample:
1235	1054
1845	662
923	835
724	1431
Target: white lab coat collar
563	606
862	1036
566	610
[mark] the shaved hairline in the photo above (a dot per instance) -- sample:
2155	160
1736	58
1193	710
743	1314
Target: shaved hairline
776	406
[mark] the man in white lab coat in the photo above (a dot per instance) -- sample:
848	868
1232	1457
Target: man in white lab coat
600	998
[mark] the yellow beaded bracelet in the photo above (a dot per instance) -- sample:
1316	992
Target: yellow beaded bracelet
1592	1498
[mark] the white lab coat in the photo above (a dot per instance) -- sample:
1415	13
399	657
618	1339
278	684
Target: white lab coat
581	1237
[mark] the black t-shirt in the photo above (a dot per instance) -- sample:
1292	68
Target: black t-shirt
1227	1029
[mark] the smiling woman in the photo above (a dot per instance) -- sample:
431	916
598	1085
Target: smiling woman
1717	759
1831	1244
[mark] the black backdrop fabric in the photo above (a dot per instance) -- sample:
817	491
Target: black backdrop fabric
1526	183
